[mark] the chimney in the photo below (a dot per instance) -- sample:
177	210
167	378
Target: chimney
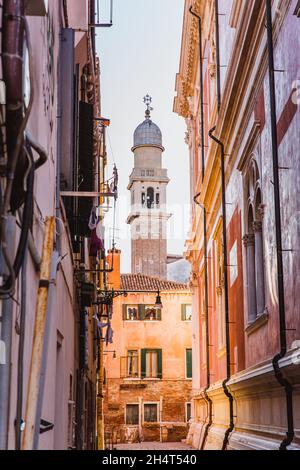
113	261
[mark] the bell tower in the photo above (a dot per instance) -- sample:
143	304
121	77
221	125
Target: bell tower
148	217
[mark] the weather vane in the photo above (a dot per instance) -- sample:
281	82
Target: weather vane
148	100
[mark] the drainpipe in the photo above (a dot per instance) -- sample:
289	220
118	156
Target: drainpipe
6	327
280	275
56	259
218	54
207	398
38	335
228	357
221	145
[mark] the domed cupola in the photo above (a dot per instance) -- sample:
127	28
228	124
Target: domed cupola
147	133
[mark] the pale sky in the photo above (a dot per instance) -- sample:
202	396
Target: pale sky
140	55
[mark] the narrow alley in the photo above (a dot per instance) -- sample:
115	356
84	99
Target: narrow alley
149	226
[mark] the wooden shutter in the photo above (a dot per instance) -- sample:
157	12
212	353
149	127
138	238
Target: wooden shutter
159	363
124	308
143	363
189	371
142	312
86	161
158	314
183	312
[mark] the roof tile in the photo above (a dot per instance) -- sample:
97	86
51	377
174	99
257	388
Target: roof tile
141	282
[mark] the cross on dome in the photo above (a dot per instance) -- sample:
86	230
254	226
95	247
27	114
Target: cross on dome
148	100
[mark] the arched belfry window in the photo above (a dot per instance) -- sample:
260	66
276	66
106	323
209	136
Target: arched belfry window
150	198
253	242
143	199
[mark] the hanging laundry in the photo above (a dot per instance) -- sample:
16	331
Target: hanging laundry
97	237
109	335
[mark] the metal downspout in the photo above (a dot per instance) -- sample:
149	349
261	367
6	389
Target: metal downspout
221	145
6	327
207	398
54	267
38	335
280	274
228	355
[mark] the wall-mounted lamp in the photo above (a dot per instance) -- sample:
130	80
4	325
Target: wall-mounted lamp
158	302
113	352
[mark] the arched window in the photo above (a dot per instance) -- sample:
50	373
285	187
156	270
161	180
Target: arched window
150	198
143	199
253	242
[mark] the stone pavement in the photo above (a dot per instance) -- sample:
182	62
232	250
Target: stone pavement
155	446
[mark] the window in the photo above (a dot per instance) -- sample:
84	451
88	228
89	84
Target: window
157	199
143	199
133	364
220	287
188	359
253	242
152	313
141	312
188	412
150	198
151	363
132	415
130	312
150	412
186	312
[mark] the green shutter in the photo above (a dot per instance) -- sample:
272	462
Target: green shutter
189	371
183	312
141	312
158	314
124	311
143	363
159	363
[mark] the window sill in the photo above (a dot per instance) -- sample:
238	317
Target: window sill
152	379
142	321
260	321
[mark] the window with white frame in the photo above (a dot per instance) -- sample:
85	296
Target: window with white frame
152	313
151	413
131	312
132	414
186	312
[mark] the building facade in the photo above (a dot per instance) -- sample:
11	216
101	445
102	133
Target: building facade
237	89
49	337
148	367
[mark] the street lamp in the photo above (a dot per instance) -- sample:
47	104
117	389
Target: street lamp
113	352
158	302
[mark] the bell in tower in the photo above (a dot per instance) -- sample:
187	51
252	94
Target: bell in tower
148	217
